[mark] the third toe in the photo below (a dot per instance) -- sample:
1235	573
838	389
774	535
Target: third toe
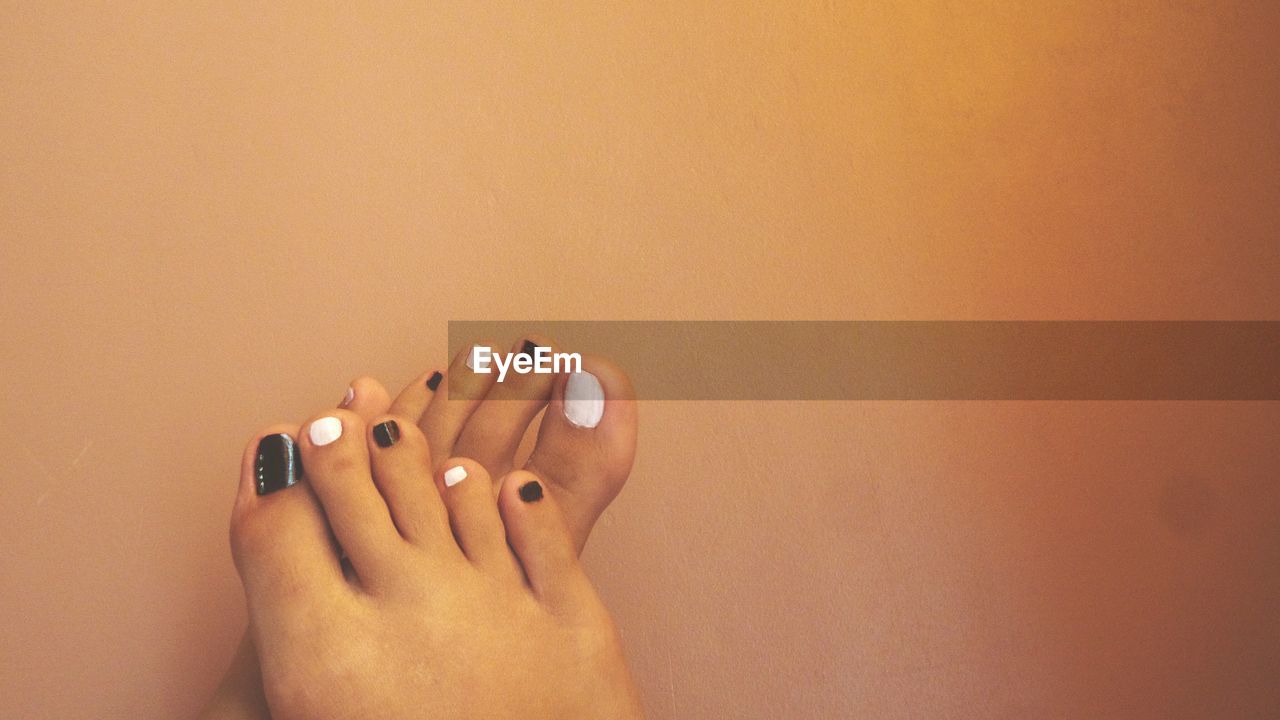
468	493
401	464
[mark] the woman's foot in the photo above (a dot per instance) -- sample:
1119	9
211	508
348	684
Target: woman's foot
459	607
584	466
585	445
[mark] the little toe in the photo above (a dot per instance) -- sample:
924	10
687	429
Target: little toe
366	397
468	494
402	471
336	458
537	533
587	442
456	396
493	432
279	539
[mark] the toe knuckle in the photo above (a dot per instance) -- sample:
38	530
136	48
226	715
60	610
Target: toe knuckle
247	530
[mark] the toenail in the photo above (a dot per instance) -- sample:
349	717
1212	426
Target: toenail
531	491
278	465
529	347
433	382
325	431
583	400
454	475
386	434
346	399
471	357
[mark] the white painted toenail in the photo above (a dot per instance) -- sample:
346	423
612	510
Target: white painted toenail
346	399
583	400
325	431
454	475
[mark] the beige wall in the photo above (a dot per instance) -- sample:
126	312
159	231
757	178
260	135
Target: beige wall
210	219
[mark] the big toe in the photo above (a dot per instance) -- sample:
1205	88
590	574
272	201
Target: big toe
279	539
587	442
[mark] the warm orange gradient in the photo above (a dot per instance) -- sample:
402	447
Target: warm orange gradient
211	218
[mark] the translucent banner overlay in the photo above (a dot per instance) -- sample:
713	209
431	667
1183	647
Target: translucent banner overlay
915	360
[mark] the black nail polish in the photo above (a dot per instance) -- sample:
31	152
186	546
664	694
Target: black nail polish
386	434
278	464
531	491
433	382
529	347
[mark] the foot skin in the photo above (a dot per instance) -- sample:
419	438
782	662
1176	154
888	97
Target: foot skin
459	607
585	447
582	467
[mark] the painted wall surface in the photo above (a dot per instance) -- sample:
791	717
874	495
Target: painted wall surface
213	216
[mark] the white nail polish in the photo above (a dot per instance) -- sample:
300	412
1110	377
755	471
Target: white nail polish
325	431
346	399
583	400
454	475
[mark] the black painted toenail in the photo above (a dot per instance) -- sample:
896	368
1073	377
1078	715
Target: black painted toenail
278	464
529	348
531	491
386	434
433	382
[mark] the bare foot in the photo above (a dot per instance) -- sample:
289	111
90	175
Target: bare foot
584	461
459	607
586	443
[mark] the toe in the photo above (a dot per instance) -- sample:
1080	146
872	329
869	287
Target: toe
537	533
279	540
468	494
336	458
454	399
413	399
366	397
493	432
587	442
402	471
